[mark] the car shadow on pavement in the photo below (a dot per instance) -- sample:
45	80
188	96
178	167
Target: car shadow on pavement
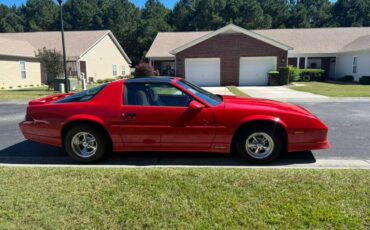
28	152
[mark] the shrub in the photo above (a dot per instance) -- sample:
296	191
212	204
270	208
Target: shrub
365	80
144	70
347	78
284	75
107	80
10	87
294	74
312	74
2	88
31	85
274	77
100	81
19	86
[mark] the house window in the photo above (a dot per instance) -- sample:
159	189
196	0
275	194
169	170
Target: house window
354	65
22	67
123	70
114	70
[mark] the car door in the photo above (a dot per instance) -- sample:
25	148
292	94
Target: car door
158	114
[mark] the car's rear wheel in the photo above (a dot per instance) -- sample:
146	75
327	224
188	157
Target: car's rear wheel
259	144
85	144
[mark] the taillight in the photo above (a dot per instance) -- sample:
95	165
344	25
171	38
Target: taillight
28	117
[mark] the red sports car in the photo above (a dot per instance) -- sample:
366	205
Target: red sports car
169	114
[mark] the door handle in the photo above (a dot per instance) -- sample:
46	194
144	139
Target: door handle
129	115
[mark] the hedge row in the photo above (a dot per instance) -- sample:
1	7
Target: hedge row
285	75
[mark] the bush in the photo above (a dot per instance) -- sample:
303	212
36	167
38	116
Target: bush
107	80
274	78
365	80
284	75
100	81
347	78
312	74
19	86
294	74
31	85
144	70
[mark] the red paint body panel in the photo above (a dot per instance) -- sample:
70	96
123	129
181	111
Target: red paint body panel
160	128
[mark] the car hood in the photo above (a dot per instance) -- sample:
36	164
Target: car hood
232	101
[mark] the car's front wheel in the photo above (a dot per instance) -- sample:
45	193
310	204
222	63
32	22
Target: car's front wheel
259	145
85	144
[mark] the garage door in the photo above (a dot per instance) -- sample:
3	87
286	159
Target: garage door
203	71
253	70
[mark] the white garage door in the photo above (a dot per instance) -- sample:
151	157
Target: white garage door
203	71
253	70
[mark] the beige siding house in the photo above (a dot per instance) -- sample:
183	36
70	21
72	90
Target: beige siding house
18	65
94	54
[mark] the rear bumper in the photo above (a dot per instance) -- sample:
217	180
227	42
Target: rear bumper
31	132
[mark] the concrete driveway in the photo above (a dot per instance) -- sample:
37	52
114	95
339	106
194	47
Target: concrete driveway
279	93
218	90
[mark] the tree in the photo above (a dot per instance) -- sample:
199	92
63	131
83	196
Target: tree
10	20
39	15
52	61
247	14
277	10
85	14
352	13
144	69
154	20
122	18
180	17
298	17
318	12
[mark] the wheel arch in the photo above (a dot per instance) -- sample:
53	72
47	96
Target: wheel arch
268	121
86	120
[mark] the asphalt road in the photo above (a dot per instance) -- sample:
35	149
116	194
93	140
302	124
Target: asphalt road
349	124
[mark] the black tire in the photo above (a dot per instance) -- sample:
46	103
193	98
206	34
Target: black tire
101	143
275	135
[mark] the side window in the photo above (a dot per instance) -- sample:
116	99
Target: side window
23	71
155	94
114	70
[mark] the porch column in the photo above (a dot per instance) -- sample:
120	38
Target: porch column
305	62
298	58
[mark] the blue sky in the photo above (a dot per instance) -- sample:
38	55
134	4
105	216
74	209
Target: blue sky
139	3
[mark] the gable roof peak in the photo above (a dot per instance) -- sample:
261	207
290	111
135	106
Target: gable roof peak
227	29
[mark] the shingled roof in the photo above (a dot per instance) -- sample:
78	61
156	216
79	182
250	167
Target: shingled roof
77	42
303	41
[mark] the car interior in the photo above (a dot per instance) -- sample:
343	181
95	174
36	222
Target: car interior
155	94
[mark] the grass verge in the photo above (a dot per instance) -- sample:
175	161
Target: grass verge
334	90
51	198
31	93
237	92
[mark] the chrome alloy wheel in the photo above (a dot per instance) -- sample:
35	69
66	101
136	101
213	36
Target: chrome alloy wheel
84	144
259	145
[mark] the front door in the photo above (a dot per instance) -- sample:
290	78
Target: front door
157	116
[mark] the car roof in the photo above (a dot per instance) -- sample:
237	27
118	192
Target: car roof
160	79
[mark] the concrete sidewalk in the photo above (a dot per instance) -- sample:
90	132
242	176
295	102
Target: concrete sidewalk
279	93
319	164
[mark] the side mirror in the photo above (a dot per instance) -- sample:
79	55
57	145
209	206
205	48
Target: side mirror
196	106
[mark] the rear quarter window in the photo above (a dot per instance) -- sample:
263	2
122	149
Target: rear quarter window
83	96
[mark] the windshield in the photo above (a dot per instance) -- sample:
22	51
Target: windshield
84	95
210	98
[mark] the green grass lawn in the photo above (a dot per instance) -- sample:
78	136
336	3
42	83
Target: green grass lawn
334	90
236	91
26	93
54	198
30	93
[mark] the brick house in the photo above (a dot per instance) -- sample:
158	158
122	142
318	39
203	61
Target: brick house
232	55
